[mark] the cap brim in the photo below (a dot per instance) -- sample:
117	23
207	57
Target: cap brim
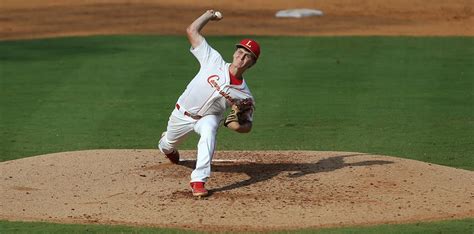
248	49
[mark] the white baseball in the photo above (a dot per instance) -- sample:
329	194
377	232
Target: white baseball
218	15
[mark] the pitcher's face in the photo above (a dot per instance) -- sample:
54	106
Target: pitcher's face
243	58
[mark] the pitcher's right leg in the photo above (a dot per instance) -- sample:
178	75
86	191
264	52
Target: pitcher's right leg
179	126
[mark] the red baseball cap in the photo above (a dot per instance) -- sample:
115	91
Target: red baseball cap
250	45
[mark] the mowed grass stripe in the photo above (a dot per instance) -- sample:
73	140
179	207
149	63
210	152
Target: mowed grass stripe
408	97
464	226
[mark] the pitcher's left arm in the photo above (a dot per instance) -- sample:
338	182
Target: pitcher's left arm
240	117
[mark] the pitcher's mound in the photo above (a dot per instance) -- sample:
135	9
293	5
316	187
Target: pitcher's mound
254	191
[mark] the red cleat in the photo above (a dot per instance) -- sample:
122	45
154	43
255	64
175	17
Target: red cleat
173	157
198	189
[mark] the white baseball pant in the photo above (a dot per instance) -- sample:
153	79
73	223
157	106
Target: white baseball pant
179	126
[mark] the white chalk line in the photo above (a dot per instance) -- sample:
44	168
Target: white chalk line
222	160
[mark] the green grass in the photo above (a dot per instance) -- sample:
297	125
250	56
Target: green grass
456	226
409	97
406	97
39	227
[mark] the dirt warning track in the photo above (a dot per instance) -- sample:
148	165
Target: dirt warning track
250	190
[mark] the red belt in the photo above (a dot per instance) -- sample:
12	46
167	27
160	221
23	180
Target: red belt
196	117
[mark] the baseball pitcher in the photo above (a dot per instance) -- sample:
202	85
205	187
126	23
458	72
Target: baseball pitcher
216	87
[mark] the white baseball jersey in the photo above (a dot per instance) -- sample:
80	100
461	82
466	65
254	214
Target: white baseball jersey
210	91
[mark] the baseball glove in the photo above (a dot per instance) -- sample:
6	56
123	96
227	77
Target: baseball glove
241	111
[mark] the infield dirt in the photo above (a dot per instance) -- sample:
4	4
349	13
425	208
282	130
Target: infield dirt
250	191
51	18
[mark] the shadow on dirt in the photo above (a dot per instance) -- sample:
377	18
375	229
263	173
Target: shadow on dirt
259	172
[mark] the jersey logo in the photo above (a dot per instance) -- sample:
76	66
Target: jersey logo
212	80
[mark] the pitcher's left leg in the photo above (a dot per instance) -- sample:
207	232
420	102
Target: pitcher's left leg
207	129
